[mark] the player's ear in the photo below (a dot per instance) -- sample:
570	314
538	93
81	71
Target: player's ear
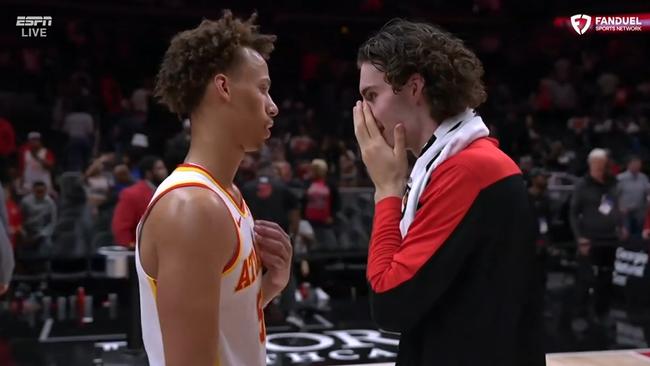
221	84
415	86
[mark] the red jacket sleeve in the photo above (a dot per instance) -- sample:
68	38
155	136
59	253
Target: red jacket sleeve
646	226
443	204
395	264
125	220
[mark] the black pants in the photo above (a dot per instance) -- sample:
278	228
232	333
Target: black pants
595	273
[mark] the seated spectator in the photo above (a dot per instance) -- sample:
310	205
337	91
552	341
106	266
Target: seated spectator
39	215
133	201
36	163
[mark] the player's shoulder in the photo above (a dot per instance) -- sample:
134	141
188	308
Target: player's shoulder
195	207
197	199
482	160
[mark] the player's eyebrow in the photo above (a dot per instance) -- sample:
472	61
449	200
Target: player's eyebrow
267	80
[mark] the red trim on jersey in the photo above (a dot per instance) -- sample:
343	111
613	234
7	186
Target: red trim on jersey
449	195
237	250
239	203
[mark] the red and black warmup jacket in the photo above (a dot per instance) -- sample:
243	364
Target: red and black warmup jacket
460	286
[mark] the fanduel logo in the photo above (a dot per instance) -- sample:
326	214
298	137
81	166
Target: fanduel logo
580	23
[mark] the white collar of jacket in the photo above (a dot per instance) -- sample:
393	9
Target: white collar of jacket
452	136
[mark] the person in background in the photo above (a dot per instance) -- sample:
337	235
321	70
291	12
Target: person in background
36	163
349	174
634	188
321	202
79	126
6	251
123	178
133	201
596	222
270	199
540	203
39	213
99	179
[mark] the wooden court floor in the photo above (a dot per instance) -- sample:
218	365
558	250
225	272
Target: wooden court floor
639	357
604	358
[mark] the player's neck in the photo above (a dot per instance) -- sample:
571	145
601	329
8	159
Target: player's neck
214	152
427	131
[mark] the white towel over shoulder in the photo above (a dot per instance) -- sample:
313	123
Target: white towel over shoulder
452	136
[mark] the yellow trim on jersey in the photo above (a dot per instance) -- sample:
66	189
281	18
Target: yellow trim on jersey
154	286
243	212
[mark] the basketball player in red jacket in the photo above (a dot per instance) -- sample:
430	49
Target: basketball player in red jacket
451	257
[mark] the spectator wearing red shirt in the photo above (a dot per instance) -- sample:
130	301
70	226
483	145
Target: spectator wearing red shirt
133	201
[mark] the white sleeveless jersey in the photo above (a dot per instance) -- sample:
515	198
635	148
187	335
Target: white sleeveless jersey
242	333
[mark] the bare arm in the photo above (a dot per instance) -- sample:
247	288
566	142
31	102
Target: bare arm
193	236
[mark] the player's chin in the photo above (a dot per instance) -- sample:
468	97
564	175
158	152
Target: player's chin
254	147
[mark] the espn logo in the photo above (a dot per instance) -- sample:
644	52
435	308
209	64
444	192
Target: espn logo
33	21
33	26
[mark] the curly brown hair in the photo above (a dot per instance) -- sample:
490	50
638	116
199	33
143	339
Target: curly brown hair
196	55
452	73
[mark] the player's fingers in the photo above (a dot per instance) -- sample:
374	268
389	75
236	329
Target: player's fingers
399	149
273	226
273	246
371	123
271	261
360	129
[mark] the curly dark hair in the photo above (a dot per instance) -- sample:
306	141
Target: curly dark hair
196	55
452	73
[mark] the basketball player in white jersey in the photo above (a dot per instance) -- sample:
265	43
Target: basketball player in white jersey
200	256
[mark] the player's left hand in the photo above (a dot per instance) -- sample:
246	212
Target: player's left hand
387	166
274	248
